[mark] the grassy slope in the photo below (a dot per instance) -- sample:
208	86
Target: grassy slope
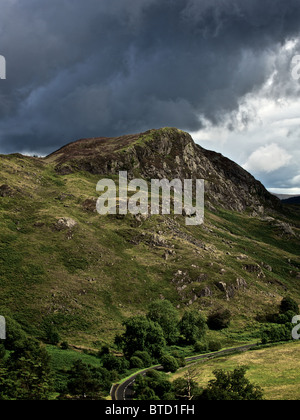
275	369
86	282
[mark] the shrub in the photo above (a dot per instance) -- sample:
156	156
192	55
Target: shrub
64	345
14	333
104	350
179	358
52	335
214	345
275	333
86	381
145	357
200	347
219	320
153	386
111	362
169	363
288	304
136	362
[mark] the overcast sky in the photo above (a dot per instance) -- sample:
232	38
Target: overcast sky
219	69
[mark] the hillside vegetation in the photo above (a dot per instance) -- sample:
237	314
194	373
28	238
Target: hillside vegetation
274	369
63	264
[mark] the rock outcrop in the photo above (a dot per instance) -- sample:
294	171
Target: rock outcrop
168	153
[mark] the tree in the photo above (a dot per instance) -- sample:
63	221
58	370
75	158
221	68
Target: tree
169	363
186	388
142	334
111	362
88	382
52	335
142	390
145	357
27	373
164	313
192	326
14	333
152	386
288	304
136	362
231	386
276	332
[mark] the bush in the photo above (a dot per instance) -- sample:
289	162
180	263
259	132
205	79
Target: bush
283	318
275	333
288	304
51	334
153	386
136	363
114	363
14	334
200	347
64	345
179	358
219	320
169	363
104	350
214	345
111	362
145	357
86	381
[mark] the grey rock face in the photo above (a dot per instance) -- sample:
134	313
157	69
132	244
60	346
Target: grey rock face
169	153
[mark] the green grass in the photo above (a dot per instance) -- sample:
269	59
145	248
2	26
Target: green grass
89	280
62	360
276	369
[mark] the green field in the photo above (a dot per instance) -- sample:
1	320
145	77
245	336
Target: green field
275	369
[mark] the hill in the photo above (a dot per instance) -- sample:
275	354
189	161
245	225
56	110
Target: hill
64	264
292	200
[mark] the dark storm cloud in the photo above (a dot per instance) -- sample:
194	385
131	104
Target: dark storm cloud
102	68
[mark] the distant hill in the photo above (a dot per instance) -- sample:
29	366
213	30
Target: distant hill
292	200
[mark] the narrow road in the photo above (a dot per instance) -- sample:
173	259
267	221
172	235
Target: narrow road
124	391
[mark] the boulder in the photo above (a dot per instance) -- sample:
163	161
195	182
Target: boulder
65	223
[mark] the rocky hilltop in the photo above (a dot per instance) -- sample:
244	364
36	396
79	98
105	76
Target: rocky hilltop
168	153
